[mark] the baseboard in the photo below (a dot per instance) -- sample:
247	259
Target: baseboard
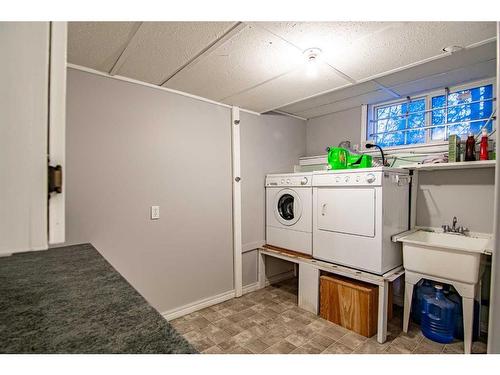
197	305
219	298
251	287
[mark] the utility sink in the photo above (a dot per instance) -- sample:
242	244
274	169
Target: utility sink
444	255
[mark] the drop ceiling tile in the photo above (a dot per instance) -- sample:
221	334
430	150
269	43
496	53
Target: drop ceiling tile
467	57
406	43
161	48
330	97
341	105
454	77
288	88
248	59
330	37
98	45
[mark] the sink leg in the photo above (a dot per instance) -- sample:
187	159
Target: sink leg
468	312
407	305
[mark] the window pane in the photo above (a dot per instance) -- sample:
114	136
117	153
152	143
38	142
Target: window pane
438	117
393	119
463	107
391	139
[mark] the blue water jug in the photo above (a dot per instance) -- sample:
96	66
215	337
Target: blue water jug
438	317
459	321
423	288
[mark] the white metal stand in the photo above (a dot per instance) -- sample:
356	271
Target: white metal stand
309	270
466	291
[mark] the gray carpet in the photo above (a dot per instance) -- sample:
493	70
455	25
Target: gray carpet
70	300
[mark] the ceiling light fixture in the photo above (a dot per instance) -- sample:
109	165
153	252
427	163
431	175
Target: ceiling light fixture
312	57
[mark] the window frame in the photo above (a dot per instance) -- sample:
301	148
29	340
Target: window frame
428	95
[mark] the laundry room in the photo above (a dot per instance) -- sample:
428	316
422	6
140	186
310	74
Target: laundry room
249	187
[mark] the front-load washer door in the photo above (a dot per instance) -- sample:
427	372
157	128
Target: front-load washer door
287	207
347	210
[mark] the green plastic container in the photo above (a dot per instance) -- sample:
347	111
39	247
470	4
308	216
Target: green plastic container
337	158
340	158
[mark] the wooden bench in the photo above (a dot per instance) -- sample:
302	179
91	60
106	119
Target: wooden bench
309	272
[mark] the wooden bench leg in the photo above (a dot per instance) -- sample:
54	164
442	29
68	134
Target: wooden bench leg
383	301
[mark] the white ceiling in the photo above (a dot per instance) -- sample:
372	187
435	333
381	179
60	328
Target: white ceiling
259	65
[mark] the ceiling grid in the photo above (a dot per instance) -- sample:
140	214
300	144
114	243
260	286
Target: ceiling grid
260	65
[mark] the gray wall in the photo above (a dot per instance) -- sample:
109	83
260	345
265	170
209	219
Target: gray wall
466	194
130	147
269	144
331	129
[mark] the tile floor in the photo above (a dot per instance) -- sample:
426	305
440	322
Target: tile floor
269	321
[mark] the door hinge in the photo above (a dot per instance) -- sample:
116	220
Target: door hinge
55	179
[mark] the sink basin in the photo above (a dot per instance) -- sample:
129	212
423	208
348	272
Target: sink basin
449	241
443	255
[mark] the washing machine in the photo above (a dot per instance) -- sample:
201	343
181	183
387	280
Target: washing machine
289	211
355	214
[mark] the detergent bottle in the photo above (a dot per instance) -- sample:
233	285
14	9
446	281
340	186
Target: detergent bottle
483	150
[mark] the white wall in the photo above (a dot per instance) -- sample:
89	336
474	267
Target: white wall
332	129
269	144
467	194
23	135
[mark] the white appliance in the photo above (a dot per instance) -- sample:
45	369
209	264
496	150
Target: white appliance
289	211
355	213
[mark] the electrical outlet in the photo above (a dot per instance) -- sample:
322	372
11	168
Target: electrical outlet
155	212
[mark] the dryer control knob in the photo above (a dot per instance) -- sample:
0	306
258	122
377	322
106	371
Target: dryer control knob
288	181
337	179
283	181
346	179
304	181
370	178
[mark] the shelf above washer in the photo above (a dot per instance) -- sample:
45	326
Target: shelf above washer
458	165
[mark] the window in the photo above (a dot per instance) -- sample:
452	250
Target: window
432	117
461	112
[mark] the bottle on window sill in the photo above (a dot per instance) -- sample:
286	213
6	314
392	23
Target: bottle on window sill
483	150
470	146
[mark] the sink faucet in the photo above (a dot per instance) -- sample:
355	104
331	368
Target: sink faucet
454	229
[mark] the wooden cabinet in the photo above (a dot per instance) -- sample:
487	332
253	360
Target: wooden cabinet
350	303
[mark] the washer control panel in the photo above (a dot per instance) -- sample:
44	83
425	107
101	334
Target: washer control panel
349	179
299	180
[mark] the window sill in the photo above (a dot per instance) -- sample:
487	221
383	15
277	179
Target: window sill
434	147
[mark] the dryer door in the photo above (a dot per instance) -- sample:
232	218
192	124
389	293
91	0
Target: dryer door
287	207
347	210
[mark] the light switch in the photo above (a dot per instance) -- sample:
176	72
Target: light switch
155	212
